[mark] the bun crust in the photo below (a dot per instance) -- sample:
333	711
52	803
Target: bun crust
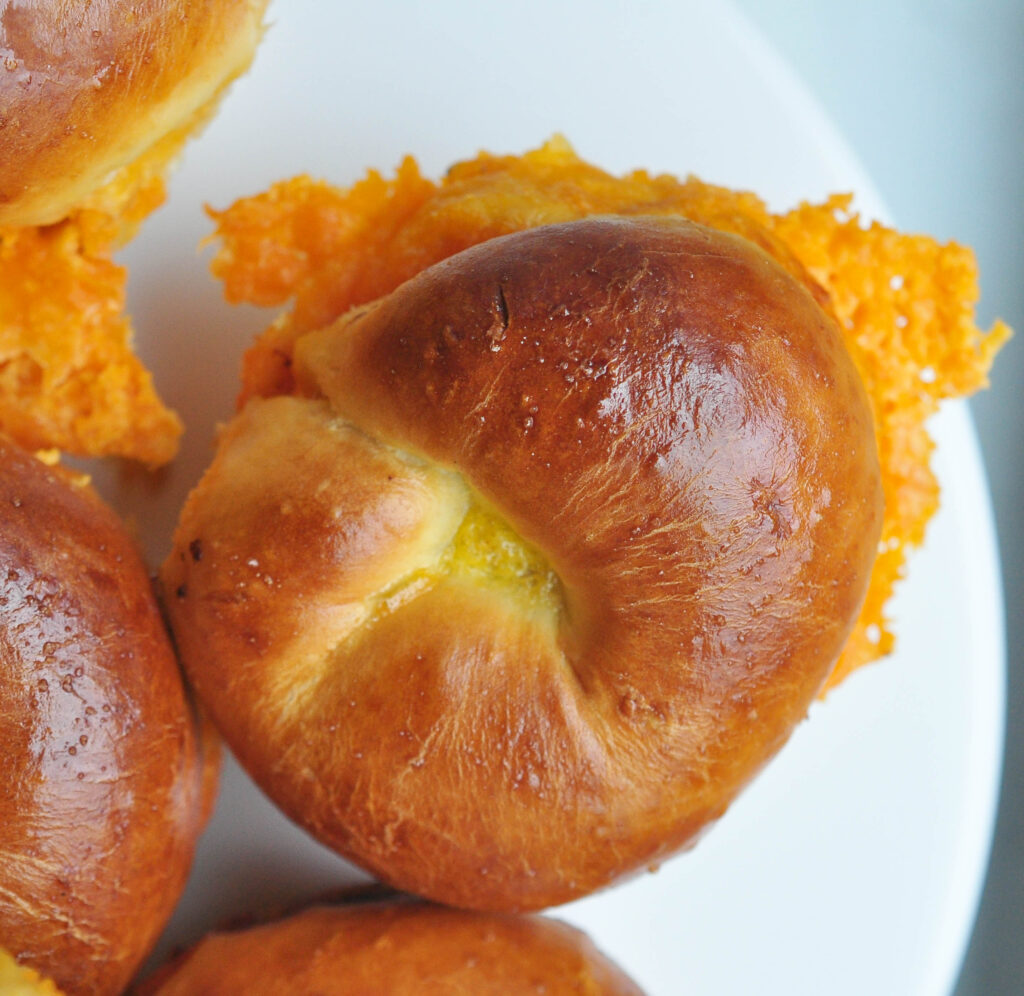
556	547
106	778
396	949
88	86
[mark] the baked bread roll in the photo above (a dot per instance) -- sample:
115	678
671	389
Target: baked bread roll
106	778
395	949
97	99
90	86
546	557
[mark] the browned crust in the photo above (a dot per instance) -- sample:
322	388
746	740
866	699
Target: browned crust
672	421
87	86
398	948
105	783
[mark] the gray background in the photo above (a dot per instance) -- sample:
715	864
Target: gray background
930	96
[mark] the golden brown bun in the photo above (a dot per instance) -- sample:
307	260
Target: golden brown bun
87	86
396	948
105	783
553	554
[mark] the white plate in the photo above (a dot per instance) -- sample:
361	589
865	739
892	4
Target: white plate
853	864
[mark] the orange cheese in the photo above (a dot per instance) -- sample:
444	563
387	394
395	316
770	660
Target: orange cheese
69	377
904	302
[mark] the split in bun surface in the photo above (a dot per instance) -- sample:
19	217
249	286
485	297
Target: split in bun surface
396	948
545	557
108	775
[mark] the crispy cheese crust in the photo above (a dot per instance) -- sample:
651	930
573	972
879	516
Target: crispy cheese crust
905	303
